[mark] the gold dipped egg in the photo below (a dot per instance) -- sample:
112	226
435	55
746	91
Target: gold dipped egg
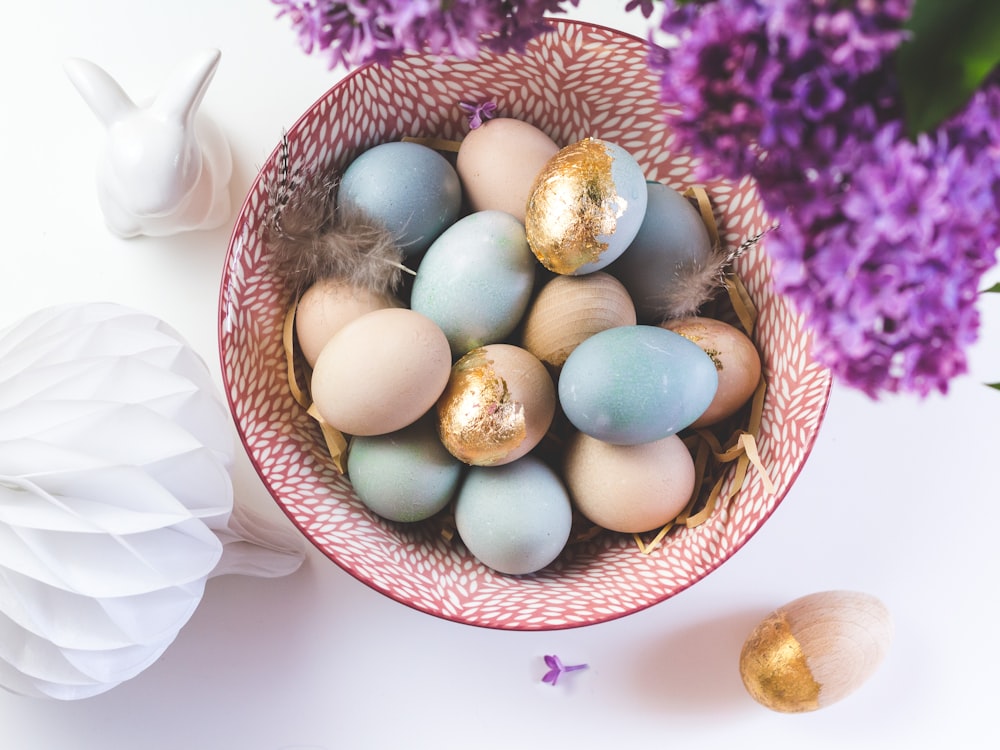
585	207
498	404
815	650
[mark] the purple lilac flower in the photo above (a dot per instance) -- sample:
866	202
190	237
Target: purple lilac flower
882	239
354	32
479	113
556	668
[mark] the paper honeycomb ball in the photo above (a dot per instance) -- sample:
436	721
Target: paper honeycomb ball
116	500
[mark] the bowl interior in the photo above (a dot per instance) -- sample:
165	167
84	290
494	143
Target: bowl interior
579	80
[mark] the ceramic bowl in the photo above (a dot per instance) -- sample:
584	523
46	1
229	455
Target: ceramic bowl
579	80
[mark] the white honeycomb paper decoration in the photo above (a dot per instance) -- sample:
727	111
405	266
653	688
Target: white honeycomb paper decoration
116	498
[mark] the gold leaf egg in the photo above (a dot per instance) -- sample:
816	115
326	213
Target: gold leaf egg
498	404
570	309
816	650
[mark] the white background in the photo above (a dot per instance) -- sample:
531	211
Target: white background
899	498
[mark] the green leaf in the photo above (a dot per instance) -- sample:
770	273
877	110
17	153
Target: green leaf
995	288
954	45
994	385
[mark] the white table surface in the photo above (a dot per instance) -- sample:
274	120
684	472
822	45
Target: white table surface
899	498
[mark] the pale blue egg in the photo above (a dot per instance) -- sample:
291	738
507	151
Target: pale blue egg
634	384
411	189
405	475
672	239
476	279
514	518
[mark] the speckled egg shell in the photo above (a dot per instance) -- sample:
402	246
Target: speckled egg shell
409	188
498	163
629	488
476	280
634	384
585	207
406	475
672	239
570	309
381	372
514	518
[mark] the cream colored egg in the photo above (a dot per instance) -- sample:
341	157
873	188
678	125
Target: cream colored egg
815	650
497	164
629	488
570	309
326	307
736	360
381	372
498	404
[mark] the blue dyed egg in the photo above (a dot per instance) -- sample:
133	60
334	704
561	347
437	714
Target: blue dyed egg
405	475
476	280
672	240
410	189
585	207
632	384
514	518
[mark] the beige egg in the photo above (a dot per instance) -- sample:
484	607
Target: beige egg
629	488
498	404
497	164
326	307
815	650
570	309
736	360
381	372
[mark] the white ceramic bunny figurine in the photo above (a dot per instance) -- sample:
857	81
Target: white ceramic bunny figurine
165	167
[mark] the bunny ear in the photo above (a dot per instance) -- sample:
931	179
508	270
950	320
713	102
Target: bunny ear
184	90
101	92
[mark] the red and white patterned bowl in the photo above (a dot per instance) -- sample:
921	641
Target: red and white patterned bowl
580	80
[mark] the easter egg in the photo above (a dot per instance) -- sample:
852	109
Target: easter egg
498	162
635	384
672	242
476	279
736	360
405	475
409	188
629	488
498	404
514	518
816	650
569	309
326	307
585	207
381	372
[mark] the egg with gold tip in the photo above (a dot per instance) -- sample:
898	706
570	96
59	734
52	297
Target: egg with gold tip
497	406
816	650
585	207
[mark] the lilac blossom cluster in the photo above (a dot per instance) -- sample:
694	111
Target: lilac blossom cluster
354	32
883	238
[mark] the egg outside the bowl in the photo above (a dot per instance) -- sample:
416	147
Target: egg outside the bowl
816	650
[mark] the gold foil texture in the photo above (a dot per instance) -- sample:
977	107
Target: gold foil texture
478	420
774	668
572	203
